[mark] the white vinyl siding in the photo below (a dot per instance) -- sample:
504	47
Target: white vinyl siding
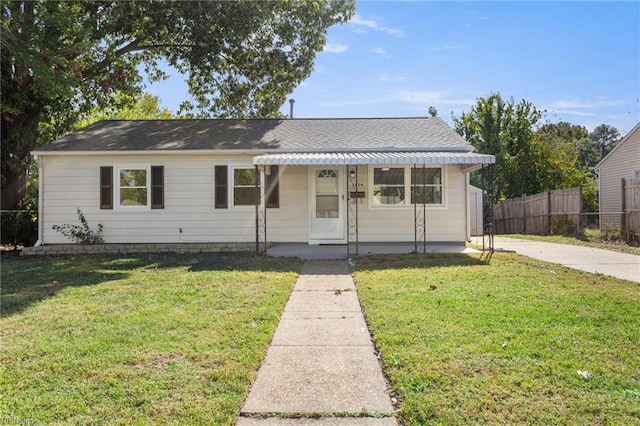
188	214
71	182
619	164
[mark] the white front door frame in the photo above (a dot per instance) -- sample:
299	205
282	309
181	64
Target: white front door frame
324	226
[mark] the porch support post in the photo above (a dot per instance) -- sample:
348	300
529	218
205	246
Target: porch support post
490	219
415	215
484	206
348	208
353	239
424	209
263	206
356	202
257	171
419	214
261	210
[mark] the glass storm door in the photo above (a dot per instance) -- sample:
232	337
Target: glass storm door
326	204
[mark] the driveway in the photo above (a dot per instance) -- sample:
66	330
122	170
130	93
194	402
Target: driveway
615	264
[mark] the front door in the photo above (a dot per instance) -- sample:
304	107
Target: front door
327	216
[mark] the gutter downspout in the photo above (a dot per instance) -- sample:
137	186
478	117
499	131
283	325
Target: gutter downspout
40	161
467	187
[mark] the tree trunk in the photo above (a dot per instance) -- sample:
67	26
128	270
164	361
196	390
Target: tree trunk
19	136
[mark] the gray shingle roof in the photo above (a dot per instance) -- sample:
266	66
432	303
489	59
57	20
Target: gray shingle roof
266	135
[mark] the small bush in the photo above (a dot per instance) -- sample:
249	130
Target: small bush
19	227
80	234
563	225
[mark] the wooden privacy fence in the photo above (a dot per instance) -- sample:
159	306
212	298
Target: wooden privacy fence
555	211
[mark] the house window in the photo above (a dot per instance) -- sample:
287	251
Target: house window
133	187
388	186
426	185
405	186
244	186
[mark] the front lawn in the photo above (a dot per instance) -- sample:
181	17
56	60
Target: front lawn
138	339
513	341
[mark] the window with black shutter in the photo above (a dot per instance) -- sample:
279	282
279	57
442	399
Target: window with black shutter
106	187
157	187
221	187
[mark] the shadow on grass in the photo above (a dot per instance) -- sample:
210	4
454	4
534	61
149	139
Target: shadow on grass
29	280
419	260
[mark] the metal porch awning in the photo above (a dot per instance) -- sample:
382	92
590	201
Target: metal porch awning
365	158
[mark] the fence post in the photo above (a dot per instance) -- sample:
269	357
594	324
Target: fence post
524	213
580	210
506	220
623	215
548	211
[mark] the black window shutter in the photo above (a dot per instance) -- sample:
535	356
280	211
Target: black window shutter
106	187
221	187
157	187
273	188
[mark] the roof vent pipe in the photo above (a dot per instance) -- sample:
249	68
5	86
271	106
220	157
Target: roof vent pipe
291	102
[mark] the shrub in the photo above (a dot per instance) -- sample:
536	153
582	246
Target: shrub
19	227
81	234
563	225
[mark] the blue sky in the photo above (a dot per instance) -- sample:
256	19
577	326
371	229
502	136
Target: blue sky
579	61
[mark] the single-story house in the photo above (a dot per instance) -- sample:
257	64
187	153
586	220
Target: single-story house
317	181
621	165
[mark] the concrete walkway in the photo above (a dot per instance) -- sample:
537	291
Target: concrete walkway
321	367
620	265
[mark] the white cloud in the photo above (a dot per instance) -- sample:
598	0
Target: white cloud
364	24
379	51
446	47
353	102
430	98
586	104
335	48
386	78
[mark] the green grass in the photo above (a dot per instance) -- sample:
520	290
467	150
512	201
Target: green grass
139	339
468	342
591	239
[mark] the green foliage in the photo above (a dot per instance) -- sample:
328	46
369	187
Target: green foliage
60	60
80	234
504	129
19	227
563	225
125	107
597	145
529	160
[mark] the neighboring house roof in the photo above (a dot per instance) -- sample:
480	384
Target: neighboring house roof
623	141
265	135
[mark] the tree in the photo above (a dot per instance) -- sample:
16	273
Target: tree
558	161
504	129
58	60
597	145
142	107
